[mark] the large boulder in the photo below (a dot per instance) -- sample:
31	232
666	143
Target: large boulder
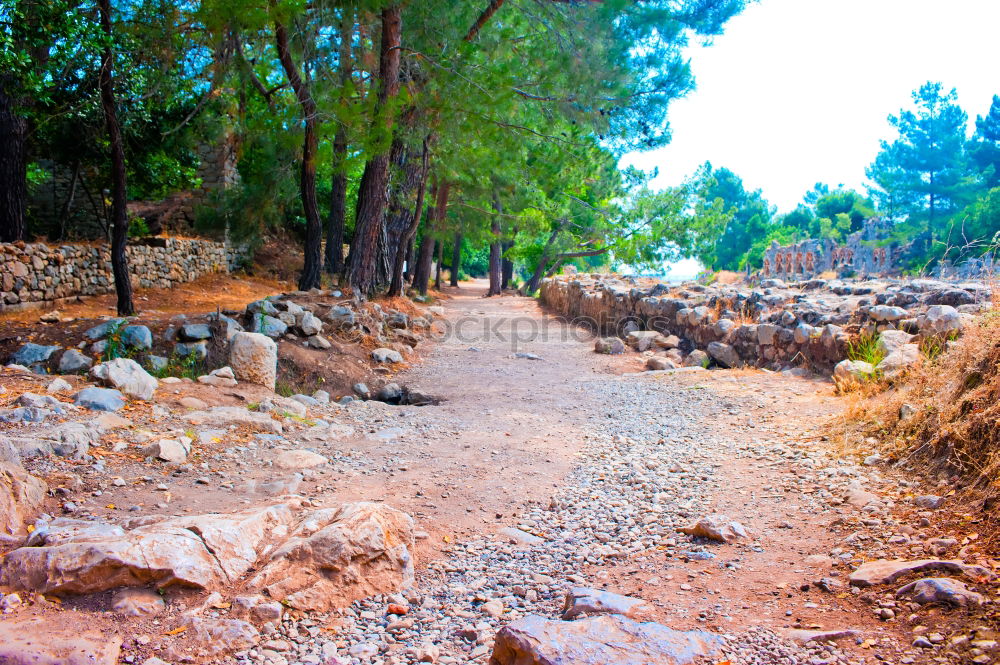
600	640
254	358
21	496
338	555
940	320
32	355
127	376
329	558
940	590
102	330
73	362
40	641
887	313
194	332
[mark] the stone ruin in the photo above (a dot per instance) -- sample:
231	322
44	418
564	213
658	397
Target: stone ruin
860	255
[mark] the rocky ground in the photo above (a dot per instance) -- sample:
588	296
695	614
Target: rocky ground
706	501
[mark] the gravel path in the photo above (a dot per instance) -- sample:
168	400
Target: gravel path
598	469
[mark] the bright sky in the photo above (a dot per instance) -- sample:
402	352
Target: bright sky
798	91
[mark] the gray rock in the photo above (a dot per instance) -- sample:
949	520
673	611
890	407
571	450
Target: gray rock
137	337
99	399
310	325
940	320
940	590
599	640
852	370
74	362
254	358
138	602
765	334
900	360
127	376
928	501
194	332
362	391
198	349
157	363
168	450
104	329
892	340
724	354
609	345
32	354
341	317
390	392
887	313
384	355
583	601
697	358
883	571
269	325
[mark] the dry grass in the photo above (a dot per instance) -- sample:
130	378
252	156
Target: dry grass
953	405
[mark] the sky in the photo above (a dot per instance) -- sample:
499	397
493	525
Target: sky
798	91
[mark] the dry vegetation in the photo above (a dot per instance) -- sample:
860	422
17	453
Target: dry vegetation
944	412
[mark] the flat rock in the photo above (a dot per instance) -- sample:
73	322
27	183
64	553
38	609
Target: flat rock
299	459
37	642
601	640
582	601
520	537
883	571
215	637
229	415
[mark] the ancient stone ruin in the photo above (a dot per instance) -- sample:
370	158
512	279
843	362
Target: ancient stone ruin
864	254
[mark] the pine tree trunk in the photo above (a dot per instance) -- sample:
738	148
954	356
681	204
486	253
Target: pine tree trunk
396	285
456	258
372	192
334	257
496	251
410	258
536	277
13	166
338	206
507	267
437	269
119	216
307	176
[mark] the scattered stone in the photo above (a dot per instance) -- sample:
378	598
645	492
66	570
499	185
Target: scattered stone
168	450
716	527
802	636
137	337
520	537
32	355
928	502
583	601
234	415
609	345
58	386
295	460
73	362
384	355
194	332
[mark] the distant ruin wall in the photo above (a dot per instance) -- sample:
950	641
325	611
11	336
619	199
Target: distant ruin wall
860	254
787	340
36	273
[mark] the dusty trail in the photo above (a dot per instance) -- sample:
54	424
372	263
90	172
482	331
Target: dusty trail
554	446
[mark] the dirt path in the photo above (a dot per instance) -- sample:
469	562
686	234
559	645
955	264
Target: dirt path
597	464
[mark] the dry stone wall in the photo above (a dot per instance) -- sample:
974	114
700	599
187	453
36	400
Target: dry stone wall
776	325
37	273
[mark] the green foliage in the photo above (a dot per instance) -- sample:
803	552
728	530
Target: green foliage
114	346
181	365
865	347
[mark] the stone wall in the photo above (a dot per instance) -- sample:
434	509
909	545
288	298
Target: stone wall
721	322
37	273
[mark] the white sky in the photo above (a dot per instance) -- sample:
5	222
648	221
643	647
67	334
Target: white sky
798	91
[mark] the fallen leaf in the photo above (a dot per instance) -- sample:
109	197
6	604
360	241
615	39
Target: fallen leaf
176	631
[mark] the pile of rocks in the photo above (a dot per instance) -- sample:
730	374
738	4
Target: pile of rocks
777	325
